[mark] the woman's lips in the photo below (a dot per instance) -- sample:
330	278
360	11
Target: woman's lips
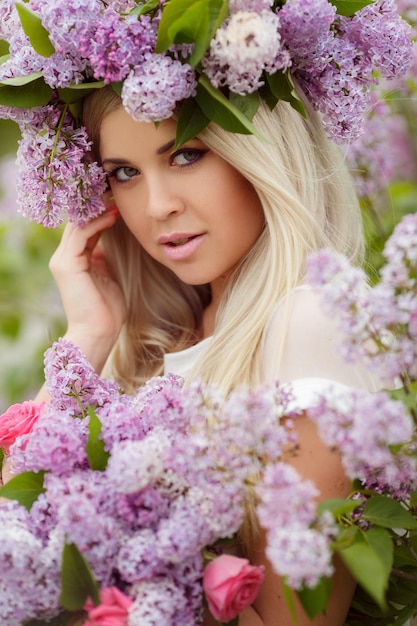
180	246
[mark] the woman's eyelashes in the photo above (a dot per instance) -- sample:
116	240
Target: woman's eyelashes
186	156
182	158
122	174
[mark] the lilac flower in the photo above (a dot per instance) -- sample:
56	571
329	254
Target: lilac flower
137	464
55	178
383	153
152	90
245	46
57	443
69	23
367	429
29	580
71	379
298	540
305	31
158	601
378	326
118	44
250	6
383	36
138	559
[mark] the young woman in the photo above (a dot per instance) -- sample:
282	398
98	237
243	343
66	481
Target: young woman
197	267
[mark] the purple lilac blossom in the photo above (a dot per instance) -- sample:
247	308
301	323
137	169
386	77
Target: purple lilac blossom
250	6
57	444
119	44
152	90
71	379
245	46
29	578
55	179
69	23
383	153
368	430
298	540
383	37
377	325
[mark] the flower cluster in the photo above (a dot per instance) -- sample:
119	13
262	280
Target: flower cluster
55	177
160	55
140	491
378	325
154	483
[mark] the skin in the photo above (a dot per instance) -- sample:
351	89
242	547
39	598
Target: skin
164	193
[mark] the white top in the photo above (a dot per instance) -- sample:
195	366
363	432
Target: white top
311	359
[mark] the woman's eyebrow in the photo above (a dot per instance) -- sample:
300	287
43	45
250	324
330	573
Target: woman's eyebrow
114	161
167	146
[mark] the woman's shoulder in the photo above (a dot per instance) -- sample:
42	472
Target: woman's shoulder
302	341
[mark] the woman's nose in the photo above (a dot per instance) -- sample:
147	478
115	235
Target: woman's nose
163	200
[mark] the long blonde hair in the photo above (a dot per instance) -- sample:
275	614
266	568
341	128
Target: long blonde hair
309	202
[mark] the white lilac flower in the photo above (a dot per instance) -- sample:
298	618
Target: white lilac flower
242	49
152	90
136	464
157	602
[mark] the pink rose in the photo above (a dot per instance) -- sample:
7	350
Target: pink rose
112	611
231	584
18	420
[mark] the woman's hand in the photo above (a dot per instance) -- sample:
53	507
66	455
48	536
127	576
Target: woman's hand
92	300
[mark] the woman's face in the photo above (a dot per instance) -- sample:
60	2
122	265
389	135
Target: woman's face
189	209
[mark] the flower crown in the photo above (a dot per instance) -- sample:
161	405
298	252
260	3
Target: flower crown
211	59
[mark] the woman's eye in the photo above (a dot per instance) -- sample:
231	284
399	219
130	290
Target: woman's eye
186	156
123	174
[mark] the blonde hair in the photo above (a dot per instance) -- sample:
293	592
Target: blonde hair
308	201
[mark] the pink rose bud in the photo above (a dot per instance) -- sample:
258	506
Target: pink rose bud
112	610
18	420
230	585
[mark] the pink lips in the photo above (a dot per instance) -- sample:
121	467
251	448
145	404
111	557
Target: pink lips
180	246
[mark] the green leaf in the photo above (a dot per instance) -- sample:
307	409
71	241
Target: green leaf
146	7
72	94
4	58
19	81
35	93
118	87
388	513
282	87
221	111
96	454
315	600
25	488
38	35
380	540
248	104
190	21
367	567
338	507
77	580
2	454
191	122
350	7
